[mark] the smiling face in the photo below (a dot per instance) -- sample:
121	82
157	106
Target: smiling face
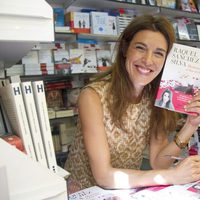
145	57
166	97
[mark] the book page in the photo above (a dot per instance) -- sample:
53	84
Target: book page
159	192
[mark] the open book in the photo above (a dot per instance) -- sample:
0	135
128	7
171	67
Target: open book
180	79
173	192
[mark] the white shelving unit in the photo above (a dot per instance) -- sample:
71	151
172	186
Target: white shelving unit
111	4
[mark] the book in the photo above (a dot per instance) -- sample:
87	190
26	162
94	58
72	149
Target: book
61	56
90	61
182	29
79	22
159	2
54	99
99	22
192	29
64	112
160	192
72	97
180	78
123	21
168	3
59	17
51	113
151	2
45	56
67	133
112	25
27	93
15	70
198	5
31	58
77	60
5	120
41	107
103	59
15	141
62	61
12	100
184	5
56	142
39	69
57	84
193	6
187	191
3	128
194	143
197	23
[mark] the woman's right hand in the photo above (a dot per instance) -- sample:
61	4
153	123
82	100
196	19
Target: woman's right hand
188	170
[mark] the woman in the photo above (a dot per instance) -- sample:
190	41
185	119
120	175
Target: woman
117	118
166	100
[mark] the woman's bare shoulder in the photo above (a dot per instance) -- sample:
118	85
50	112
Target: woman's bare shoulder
88	95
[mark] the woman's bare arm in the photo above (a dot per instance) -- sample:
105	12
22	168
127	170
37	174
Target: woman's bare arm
91	115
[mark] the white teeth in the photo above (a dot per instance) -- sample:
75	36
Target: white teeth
143	70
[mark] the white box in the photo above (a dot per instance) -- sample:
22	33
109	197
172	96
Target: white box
112	25
90	61
27	179
31	58
79	22
99	22
45	56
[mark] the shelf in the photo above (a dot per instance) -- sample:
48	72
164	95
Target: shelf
64	36
46	77
72	37
178	13
55	77
111	4
106	4
63	119
190	42
103	38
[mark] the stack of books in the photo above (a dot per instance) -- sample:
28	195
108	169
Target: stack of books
25	113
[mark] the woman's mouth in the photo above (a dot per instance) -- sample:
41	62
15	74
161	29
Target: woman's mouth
143	70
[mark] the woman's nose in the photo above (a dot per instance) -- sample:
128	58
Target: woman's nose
148	58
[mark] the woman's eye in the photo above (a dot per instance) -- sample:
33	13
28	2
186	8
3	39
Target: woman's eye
159	54
140	48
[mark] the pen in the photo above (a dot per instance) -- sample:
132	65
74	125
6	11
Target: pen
175	157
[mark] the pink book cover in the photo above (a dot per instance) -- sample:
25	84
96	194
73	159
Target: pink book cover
180	79
195	188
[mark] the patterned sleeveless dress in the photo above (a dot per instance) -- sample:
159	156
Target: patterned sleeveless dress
126	148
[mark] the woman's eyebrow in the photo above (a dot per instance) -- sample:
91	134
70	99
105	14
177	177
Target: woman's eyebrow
161	49
158	49
140	43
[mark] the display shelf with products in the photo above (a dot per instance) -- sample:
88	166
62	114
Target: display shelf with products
133	9
72	37
105	4
112	4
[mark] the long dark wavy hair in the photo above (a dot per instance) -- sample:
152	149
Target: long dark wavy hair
161	120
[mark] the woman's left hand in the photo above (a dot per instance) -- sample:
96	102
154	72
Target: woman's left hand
194	107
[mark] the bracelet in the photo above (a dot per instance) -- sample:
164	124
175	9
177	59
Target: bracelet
180	143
